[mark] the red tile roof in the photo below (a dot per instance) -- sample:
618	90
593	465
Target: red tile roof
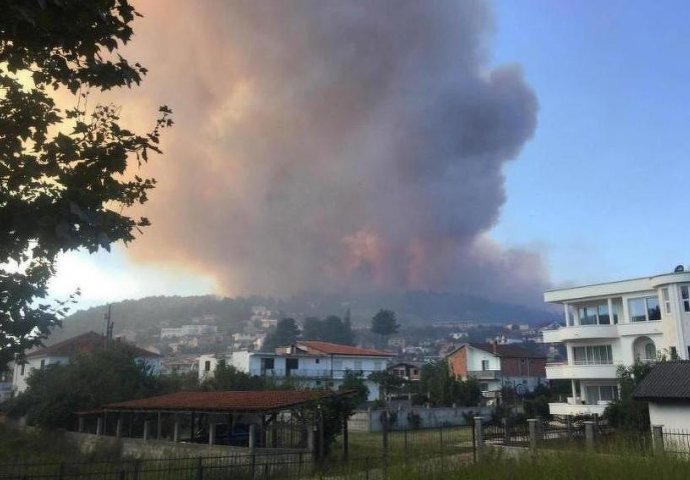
250	401
86	342
336	349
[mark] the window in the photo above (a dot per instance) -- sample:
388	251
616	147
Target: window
318	360
644	309
207	366
43	364
595	315
649	351
601	393
593	355
685	296
667	300
484	387
485	364
21	370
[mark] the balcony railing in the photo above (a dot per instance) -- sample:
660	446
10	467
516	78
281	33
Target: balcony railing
484	374
307	373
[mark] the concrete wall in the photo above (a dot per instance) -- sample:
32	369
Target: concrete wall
152	449
370	420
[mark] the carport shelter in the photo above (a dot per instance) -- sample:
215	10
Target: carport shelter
247	418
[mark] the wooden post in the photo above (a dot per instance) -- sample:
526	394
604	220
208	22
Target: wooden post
322	446
147	429
533	433
478	435
80	425
191	428
99	426
159	426
118	427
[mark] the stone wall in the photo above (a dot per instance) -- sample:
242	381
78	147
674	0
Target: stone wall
154	449
370	420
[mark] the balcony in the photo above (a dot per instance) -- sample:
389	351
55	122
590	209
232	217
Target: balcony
580	332
640	328
565	371
575	410
484	374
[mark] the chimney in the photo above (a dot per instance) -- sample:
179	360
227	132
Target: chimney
494	345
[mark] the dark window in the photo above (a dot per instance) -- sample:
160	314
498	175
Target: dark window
674	353
43	364
291	363
268	363
22	370
318	361
207	365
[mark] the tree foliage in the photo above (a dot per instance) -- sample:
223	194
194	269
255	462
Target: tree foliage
384	323
286	333
443	389
65	174
331	329
625	412
227	378
89	381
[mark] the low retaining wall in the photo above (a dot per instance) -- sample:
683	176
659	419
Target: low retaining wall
154	449
370	420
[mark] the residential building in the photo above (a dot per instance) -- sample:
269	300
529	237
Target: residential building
612	324
189	331
63	352
497	365
666	389
311	364
407	370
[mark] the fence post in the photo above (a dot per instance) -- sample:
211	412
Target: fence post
533	433
211	433
384	431
405	439
176	430
200	469
80	427
506	432
252	436
118	427
99	426
590	433
658	438
147	429
478	435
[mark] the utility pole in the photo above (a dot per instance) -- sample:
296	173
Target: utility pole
108	328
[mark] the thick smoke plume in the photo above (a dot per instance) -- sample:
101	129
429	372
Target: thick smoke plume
333	145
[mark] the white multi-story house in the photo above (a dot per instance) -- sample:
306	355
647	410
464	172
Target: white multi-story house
612	324
310	363
63	352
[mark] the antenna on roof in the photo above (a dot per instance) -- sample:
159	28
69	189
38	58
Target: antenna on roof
679	269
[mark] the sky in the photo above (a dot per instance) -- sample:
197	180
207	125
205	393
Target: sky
590	188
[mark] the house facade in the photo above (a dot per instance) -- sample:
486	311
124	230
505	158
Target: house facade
311	364
411	371
613	324
63	352
496	366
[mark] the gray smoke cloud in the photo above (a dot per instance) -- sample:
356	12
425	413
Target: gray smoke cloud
333	145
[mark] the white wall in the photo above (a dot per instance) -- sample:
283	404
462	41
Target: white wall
475	356
671	415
